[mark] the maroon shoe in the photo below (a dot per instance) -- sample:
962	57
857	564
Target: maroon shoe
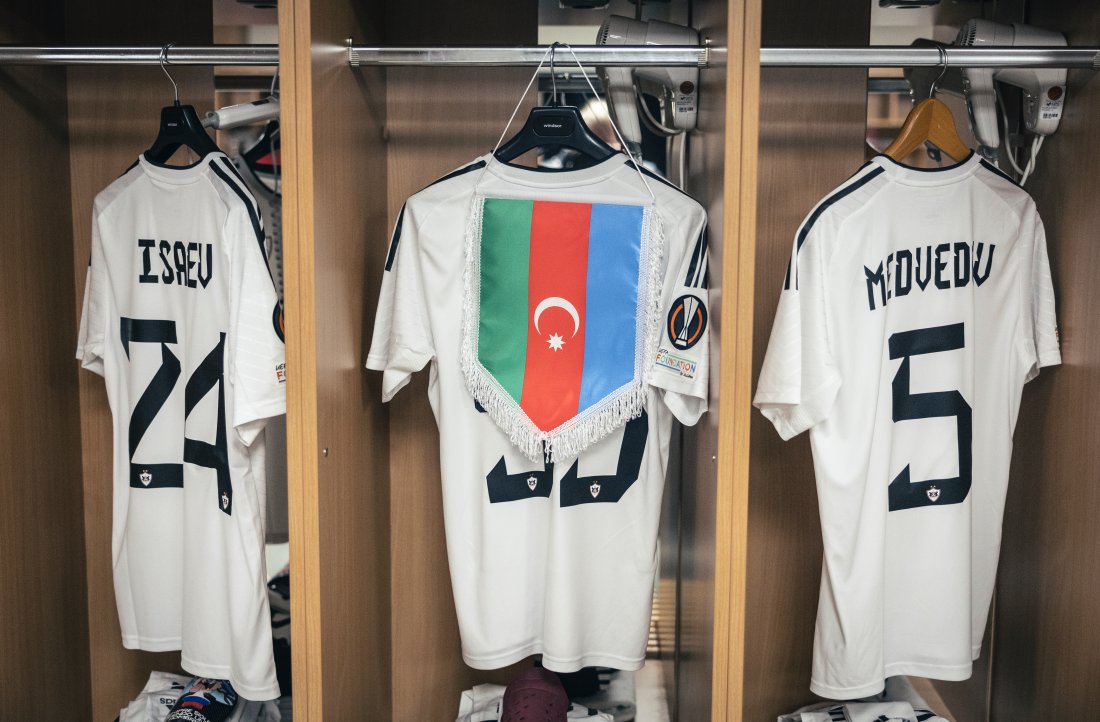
535	696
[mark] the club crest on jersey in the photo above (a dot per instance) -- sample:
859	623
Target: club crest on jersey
532	482
146	477
595	488
933	493
561	319
687	320
225	500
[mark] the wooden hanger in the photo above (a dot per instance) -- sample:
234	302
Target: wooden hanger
929	120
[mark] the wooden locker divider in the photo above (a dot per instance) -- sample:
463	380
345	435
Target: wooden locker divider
693	673
812	128
1047	627
334	203
373	623
43	627
734	386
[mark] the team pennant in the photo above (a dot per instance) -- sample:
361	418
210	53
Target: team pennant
560	315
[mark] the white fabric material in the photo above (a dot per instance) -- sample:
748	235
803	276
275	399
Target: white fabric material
176	251
163	689
573	583
862	712
270	204
485	703
156	699
957	257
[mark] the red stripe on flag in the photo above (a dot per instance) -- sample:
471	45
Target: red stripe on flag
556	291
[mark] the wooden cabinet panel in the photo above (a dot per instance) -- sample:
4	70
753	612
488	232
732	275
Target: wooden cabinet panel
1046	633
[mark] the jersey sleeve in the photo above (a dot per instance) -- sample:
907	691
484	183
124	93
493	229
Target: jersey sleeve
93	317
402	342
255	350
799	380
681	367
1041	326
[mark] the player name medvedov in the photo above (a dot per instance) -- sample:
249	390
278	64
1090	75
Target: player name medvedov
944	266
184	264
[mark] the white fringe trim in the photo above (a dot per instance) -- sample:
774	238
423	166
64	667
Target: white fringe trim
605	416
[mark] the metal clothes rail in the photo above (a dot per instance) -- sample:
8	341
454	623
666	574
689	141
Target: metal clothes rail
589	55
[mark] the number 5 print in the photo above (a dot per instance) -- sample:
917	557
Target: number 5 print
906	494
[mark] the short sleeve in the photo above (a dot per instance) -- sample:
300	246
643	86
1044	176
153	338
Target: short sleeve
799	380
93	317
401	344
681	367
256	352
1041	335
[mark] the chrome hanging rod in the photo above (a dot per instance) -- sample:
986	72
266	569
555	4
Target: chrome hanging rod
905	56
660	56
604	55
151	55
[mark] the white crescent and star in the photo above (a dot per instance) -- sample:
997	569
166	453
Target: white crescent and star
554	340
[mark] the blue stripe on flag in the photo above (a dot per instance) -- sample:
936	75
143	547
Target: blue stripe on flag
611	303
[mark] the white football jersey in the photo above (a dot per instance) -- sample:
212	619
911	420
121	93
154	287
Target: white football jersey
551	557
916	305
182	321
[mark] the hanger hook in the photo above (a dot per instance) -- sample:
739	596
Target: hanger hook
553	76
164	67
943	62
274	82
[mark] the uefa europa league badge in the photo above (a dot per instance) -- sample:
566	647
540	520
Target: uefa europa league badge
933	493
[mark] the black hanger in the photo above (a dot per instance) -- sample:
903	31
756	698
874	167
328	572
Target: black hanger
555	124
179	125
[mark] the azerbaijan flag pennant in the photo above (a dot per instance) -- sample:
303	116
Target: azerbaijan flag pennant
561	313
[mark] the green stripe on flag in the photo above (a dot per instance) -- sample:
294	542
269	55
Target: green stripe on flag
502	325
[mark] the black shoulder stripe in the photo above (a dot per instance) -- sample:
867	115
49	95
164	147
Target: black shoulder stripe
804	231
396	238
660	179
454	174
248	204
401	216
232	168
998	171
277	320
858	171
697	267
132	166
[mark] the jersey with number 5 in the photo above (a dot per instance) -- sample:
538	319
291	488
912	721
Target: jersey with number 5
916	305
182	321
